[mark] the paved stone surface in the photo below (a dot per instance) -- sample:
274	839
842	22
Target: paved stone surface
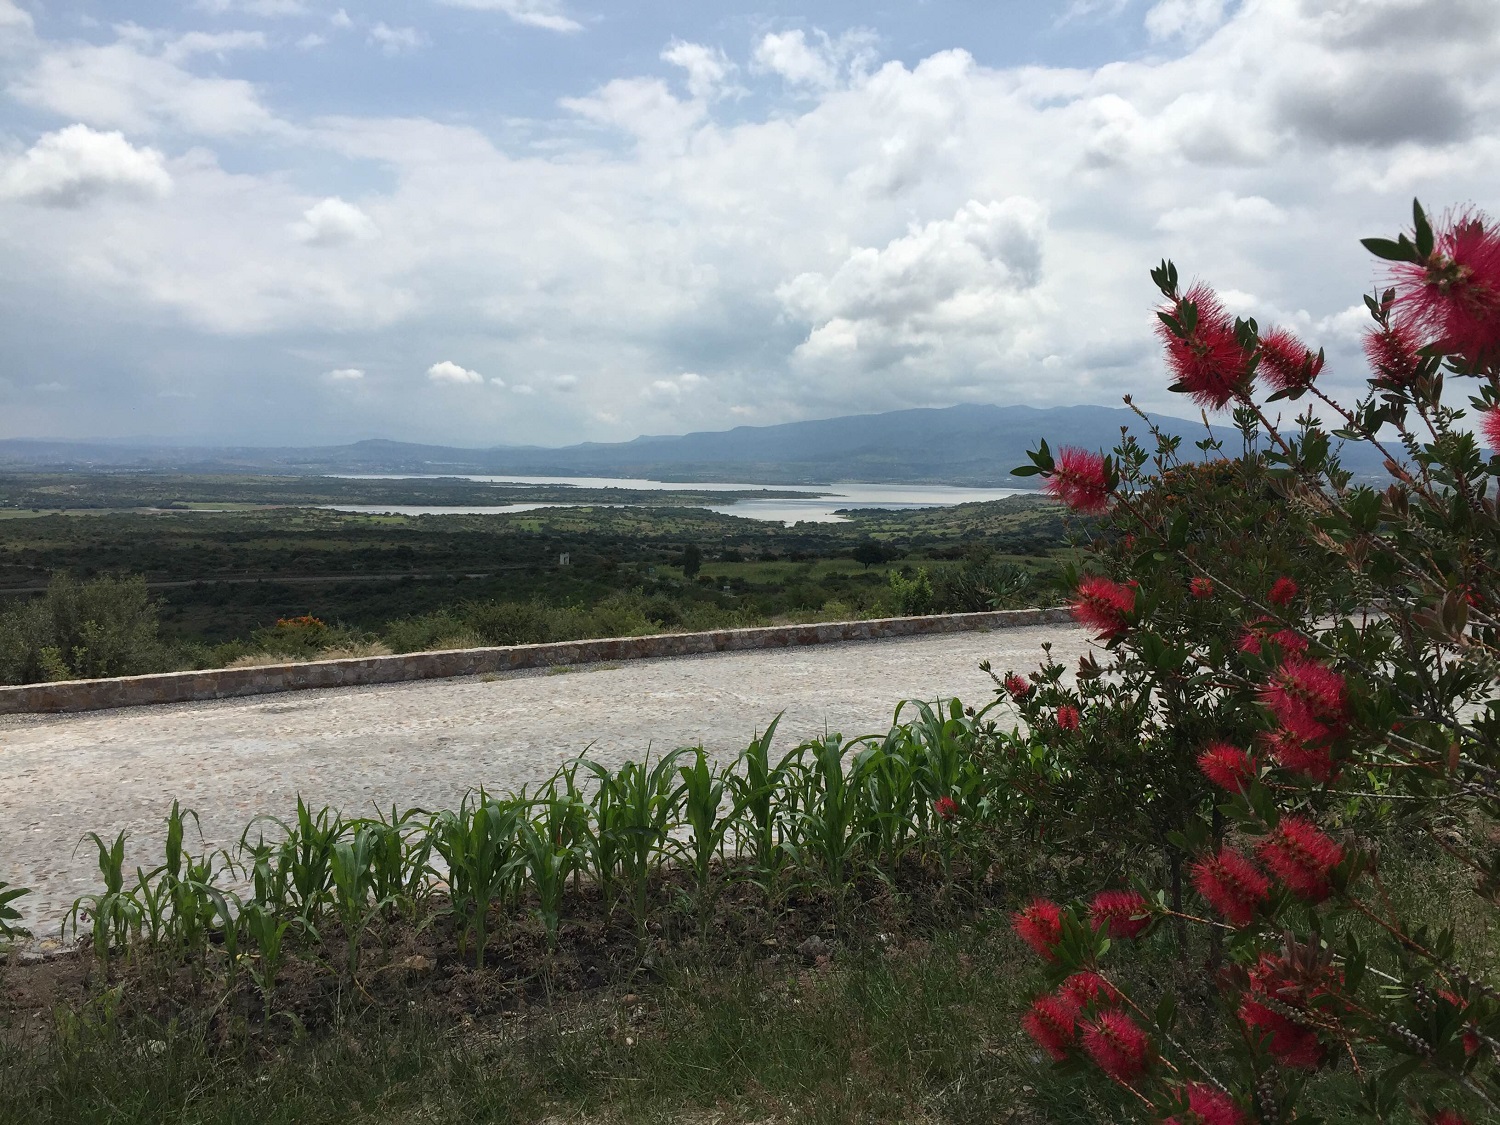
425	744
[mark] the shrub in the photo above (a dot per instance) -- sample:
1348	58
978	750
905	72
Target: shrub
81	630
1300	668
911	595
508	623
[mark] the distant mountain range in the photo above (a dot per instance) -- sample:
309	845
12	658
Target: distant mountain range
971	445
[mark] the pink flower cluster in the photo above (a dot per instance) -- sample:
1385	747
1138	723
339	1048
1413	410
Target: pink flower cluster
1104	605
1079	480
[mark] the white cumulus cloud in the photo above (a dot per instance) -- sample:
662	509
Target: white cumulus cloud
344	375
707	68
333	222
545	14
449	372
72	166
396	40
141	84
819	63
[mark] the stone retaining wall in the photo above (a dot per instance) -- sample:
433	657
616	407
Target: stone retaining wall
223	683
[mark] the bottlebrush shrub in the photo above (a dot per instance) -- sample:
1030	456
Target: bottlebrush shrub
1301	695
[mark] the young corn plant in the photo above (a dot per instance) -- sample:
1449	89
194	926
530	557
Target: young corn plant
114	914
548	858
478	844
891	799
352	870
643	806
400	859
269	933
831	820
763	793
703	796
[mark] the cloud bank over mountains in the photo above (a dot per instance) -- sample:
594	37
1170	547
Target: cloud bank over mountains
776	223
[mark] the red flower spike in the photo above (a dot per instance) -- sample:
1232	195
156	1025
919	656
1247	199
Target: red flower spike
1288	363
1227	766
1201	587
1448	1117
1489	426
1209	362
1120	914
1207	1106
1454	295
1393	353
1114	1041
1292	1044
1232	885
1283	590
1250	642
1300	757
1301	857
1040	926
1019	687
1307	699
1068	717
1052	1022
1087	989
1289	641
1104	605
945	807
1078	479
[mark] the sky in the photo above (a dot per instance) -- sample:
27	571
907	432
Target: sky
486	222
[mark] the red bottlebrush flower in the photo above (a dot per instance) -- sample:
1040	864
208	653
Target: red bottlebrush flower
1052	1022
1201	587
1104	605
1250	642
1289	641
1276	994
1232	885
1087	989
1068	717
1288	363
945	807
1300	757
1301	856
1394	354
1448	1117
1207	1106
1114	1041
1227	766
1040	926
1120	914
1454	295
1307	699
1208	363
1291	1043
1283	590
1078	479
1018	686
1489	426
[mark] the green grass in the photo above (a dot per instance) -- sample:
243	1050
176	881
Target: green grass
909	1031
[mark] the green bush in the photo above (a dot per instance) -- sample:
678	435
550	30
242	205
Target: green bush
911	595
105	627
508	623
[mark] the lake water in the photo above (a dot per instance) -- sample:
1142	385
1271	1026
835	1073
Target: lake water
822	509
